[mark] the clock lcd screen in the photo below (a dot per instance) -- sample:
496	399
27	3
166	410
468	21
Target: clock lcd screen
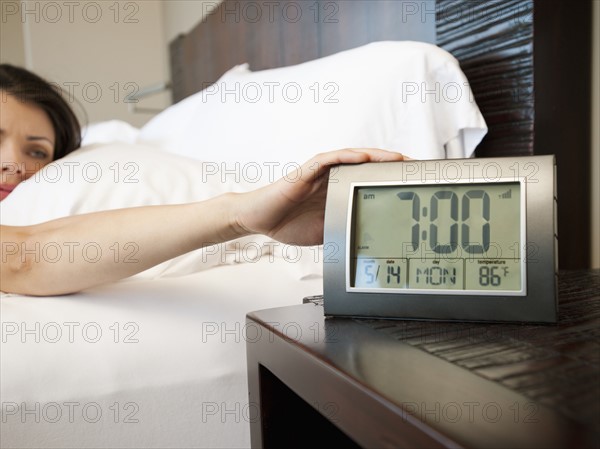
455	238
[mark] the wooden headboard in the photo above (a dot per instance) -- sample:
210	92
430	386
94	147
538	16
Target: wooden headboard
528	63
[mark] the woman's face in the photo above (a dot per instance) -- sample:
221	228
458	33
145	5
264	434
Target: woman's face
26	141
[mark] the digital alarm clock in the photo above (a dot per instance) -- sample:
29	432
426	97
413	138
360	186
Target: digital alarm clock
468	239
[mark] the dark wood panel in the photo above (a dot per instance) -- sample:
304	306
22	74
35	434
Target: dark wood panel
494	43
562	66
397	20
299	37
287	32
349	27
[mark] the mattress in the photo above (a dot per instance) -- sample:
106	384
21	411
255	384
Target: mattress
139	363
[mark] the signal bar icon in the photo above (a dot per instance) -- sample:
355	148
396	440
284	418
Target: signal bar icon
506	195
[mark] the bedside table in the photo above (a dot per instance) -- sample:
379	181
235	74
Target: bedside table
384	383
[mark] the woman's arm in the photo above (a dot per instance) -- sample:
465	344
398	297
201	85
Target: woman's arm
73	253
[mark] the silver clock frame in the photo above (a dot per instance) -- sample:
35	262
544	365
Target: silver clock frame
535	302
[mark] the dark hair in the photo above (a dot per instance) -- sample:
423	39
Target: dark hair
30	88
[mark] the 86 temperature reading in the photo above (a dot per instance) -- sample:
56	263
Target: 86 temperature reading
492	275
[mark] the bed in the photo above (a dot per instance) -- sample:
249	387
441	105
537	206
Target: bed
158	360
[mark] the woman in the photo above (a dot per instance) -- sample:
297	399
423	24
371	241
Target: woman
37	126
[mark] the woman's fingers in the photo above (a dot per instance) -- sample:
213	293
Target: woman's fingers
353	156
320	164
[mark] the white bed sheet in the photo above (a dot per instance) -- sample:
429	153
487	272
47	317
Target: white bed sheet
180	382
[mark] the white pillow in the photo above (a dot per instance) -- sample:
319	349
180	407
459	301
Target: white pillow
409	97
113	176
108	132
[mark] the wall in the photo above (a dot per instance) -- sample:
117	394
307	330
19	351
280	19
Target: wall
98	51
12	46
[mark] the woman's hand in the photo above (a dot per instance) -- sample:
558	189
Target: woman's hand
292	209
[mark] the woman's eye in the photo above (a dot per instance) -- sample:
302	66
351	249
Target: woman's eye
38	154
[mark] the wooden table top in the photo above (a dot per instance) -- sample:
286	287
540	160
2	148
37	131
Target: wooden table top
466	384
